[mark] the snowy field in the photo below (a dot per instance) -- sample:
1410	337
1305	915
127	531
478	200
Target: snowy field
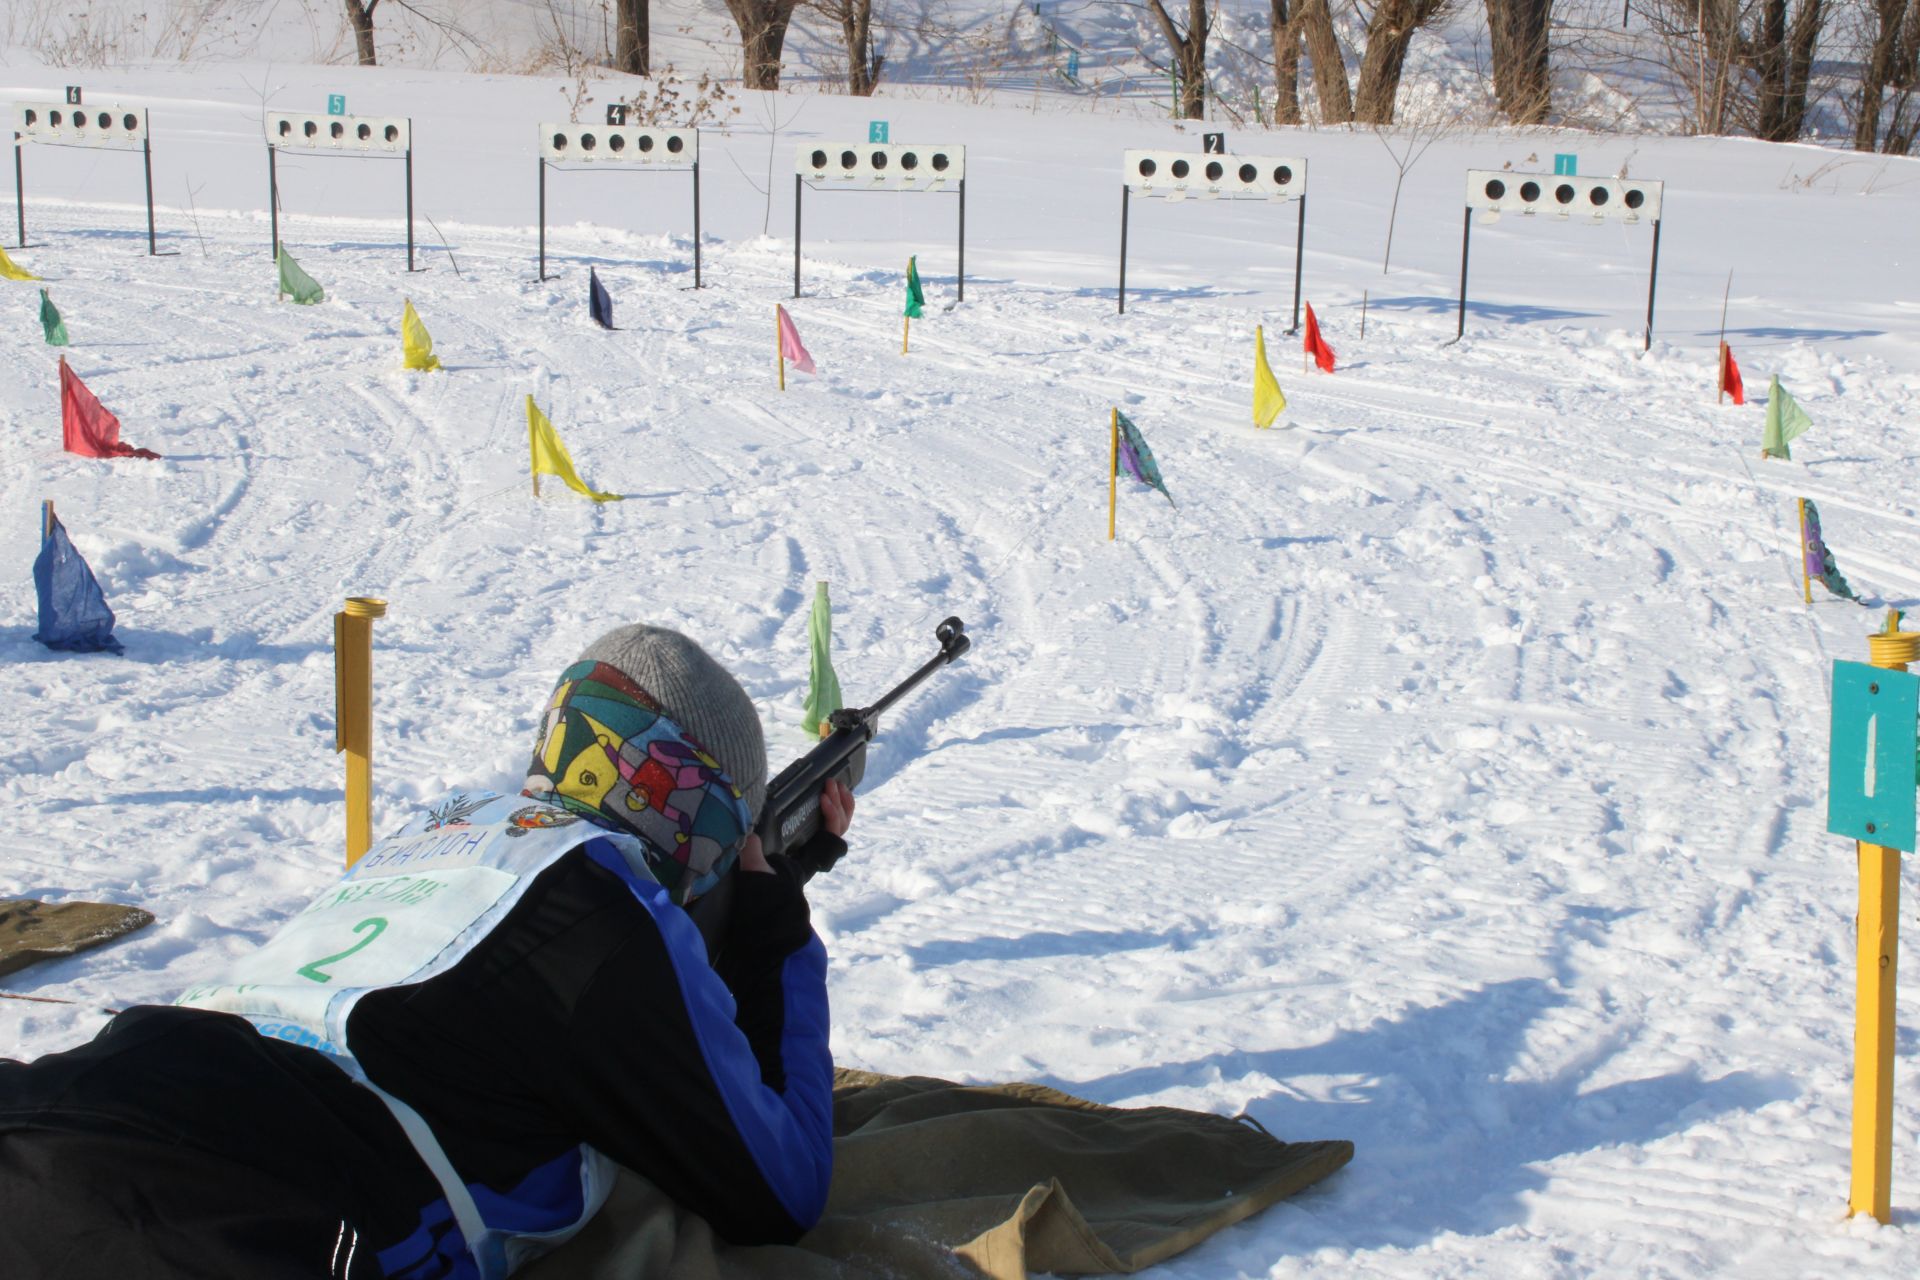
1446	772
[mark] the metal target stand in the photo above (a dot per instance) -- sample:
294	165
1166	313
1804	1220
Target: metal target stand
1560	198
357	136
69	124
585	148
880	166
1175	175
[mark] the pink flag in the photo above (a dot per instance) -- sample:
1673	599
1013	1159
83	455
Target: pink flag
790	345
88	428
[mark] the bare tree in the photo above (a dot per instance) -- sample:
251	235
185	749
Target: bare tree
1889	75
856	28
1189	54
360	18
632	37
1389	32
1315	21
1748	64
763	34
1286	64
1521	72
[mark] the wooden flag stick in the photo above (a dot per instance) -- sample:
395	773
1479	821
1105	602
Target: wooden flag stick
1806	580
1113	470
780	347
1363	313
1720	374
906	323
46	519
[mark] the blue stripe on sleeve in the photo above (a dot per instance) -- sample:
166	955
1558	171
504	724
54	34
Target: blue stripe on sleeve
790	1135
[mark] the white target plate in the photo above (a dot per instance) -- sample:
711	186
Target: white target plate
1180	175
880	166
311	132
620	144
56	122
1563	196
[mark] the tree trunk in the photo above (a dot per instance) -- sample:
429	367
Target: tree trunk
856	23
763	33
1189	55
1388	35
360	18
1781	57
632	37
1315	21
1522	76
1286	65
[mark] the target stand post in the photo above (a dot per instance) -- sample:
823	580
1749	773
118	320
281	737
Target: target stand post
881	166
355	137
582	148
1176	176
1562	198
58	124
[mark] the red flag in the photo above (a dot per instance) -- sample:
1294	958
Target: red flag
89	429
1316	345
1730	384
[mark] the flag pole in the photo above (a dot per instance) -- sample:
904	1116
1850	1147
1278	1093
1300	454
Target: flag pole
906	323
779	346
1806	580
46	519
533	449
1113	469
1721	376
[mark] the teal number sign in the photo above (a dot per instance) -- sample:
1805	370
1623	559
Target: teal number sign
1870	760
314	971
336	104
876	131
1568	165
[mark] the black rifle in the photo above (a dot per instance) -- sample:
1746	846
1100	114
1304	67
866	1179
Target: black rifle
790	816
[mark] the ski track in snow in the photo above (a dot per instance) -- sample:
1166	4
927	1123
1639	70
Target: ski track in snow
1445	772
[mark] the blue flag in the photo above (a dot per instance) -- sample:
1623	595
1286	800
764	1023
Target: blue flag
73	610
598	302
1137	458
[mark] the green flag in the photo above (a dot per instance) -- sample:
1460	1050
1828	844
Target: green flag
293	281
50	321
916	300
1785	420
823	686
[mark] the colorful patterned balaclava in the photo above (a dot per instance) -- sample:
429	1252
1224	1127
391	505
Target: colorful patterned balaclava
612	751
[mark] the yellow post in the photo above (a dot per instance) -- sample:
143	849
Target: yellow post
1806	581
1113	471
353	713
1877	951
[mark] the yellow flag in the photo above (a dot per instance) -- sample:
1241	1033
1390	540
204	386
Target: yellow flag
550	456
1268	402
11	270
416	341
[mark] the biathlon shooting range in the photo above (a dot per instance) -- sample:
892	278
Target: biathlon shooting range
353	137
1214	175
74	124
1563	197
881	166
616	147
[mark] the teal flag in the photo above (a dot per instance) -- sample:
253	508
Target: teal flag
1785	420
50	321
916	300
823	686
1819	559
296	283
1137	457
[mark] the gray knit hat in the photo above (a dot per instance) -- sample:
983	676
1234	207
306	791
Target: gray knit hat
696	693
